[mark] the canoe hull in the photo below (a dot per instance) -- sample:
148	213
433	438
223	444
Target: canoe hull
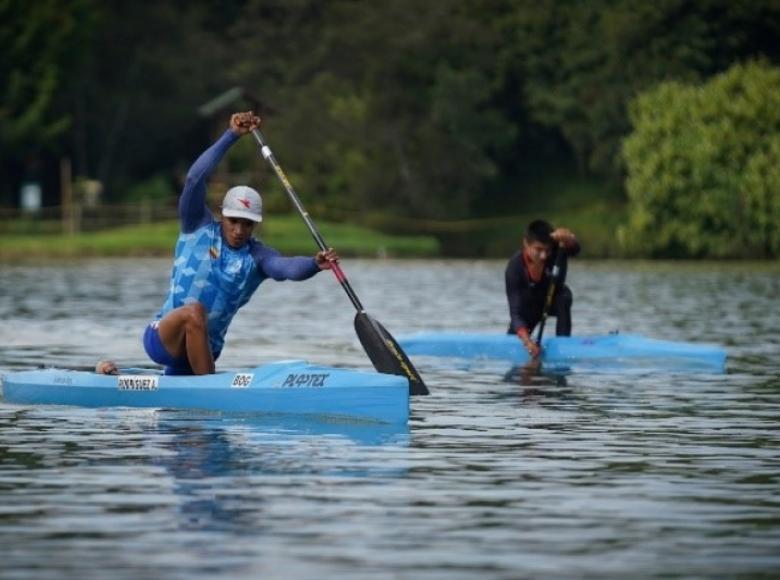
563	351
291	387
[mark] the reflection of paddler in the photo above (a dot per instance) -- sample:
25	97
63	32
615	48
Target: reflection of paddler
528	277
217	267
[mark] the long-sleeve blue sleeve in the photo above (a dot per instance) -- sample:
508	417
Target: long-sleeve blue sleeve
273	265
193	211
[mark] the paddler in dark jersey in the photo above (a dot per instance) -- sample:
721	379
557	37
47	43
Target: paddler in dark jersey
528	278
217	266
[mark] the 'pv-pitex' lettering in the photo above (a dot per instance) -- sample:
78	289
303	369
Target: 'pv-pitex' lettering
305	380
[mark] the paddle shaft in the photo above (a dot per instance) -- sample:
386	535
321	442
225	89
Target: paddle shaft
337	271
384	352
554	275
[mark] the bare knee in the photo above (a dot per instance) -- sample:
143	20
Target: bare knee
195	317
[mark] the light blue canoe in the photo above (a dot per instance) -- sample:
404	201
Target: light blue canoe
286	387
611	351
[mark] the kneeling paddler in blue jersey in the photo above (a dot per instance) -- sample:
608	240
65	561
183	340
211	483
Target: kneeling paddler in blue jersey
217	266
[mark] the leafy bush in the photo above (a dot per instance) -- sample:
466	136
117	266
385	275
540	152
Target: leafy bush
704	167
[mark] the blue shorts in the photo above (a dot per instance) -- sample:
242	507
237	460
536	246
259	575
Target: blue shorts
156	351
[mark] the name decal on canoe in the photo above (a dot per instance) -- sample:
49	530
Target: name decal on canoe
138	383
305	380
242	380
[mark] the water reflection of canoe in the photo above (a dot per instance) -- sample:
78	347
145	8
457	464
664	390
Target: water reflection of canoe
612	351
287	387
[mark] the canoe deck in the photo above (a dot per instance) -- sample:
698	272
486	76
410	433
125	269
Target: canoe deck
287	387
611	351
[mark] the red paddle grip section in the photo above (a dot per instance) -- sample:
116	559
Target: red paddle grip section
338	272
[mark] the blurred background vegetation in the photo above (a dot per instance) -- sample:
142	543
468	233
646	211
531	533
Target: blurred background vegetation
651	129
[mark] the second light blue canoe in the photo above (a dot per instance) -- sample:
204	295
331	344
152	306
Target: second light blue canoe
611	351
286	387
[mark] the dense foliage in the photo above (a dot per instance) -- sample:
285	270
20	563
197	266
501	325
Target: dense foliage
440	110
39	39
704	167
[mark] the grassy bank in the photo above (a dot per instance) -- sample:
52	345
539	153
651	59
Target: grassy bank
592	209
588	207
285	233
595	224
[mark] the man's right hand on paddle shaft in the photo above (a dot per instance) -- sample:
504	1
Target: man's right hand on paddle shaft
565	237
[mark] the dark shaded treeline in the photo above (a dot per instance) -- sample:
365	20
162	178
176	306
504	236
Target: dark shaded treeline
442	110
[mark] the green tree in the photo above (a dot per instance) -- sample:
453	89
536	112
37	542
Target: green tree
41	41
134	98
704	167
384	105
583	62
435	109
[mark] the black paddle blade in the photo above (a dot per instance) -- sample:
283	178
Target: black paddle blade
385	353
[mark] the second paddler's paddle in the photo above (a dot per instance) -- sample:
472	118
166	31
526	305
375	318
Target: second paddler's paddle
384	352
554	275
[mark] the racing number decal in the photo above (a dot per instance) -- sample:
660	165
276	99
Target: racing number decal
242	380
137	383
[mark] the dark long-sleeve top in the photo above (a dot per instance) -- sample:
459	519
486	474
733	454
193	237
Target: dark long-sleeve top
525	296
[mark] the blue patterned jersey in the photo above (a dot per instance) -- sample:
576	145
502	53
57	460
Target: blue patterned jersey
207	270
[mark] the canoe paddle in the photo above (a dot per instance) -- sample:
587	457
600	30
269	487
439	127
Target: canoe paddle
384	352
554	275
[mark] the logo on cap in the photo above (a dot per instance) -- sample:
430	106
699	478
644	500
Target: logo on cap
242	202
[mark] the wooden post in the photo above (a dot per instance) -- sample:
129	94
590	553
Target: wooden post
145	210
66	197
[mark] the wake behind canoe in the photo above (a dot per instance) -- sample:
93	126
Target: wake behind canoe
287	387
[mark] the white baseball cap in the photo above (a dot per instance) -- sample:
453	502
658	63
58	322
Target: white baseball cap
243	202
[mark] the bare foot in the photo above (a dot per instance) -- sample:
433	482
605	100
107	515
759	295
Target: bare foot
106	367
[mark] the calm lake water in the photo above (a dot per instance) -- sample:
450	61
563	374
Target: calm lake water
591	475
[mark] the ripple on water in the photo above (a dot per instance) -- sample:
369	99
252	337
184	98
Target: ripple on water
498	475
